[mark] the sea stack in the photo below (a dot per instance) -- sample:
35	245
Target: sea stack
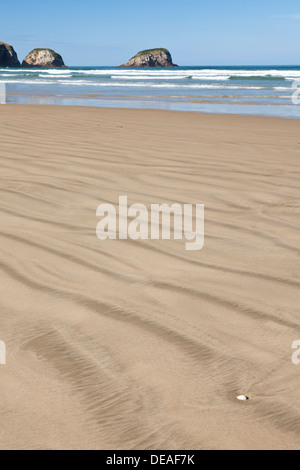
151	58
43	58
8	56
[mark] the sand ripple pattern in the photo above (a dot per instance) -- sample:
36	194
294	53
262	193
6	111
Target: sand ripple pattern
143	345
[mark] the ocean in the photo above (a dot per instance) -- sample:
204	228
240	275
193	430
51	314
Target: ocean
252	90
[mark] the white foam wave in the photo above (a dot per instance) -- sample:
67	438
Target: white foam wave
55	76
164	72
156	85
120	84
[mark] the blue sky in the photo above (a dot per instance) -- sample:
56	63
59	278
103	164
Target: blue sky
215	32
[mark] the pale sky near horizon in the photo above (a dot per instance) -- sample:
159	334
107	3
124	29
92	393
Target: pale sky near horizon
215	32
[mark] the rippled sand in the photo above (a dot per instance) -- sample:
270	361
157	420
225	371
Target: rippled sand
143	345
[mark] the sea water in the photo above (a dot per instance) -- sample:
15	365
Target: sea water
235	90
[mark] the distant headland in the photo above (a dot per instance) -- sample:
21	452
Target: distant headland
159	57
43	58
47	58
8	56
38	58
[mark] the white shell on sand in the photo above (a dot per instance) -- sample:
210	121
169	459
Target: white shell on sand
242	398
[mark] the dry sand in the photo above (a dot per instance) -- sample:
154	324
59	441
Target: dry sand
141	344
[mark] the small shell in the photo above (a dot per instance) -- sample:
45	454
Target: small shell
242	398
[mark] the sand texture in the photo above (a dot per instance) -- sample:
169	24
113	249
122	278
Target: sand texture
124	344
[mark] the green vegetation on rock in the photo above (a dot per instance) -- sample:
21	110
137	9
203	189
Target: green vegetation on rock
43	49
148	51
157	57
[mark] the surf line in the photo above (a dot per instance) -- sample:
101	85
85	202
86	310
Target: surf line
133	222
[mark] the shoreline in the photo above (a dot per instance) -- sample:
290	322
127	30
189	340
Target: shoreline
233	90
200	113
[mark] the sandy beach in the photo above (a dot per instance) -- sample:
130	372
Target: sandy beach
124	344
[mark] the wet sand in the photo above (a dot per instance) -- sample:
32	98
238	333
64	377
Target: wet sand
125	344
